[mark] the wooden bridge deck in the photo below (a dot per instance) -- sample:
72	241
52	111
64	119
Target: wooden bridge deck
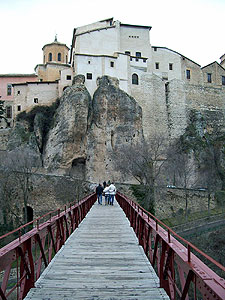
100	260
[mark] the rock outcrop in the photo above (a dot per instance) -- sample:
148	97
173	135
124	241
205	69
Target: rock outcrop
117	120
66	145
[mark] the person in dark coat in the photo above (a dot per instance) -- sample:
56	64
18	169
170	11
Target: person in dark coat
99	190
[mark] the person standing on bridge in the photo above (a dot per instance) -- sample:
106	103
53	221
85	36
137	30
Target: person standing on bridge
112	192
106	193
99	191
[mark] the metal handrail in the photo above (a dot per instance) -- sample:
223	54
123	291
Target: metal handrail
30	253
161	247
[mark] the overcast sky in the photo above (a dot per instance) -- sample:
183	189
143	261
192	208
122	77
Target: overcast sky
194	28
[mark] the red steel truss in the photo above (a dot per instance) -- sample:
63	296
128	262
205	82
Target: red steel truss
28	255
181	273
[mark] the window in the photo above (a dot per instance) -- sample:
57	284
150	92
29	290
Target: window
138	54
144	60
89	75
112	64
68	77
89	62
8	111
127	52
50	57
157	65
171	67
9	89
35	100
155	48
18	92
135	79
18	107
44	59
188	74
209	77
59	56
223	80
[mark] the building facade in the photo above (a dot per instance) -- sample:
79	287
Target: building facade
54	75
7	93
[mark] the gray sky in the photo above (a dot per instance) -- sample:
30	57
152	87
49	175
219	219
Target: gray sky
194	28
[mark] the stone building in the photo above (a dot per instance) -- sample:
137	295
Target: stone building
54	75
222	60
55	59
31	94
7	93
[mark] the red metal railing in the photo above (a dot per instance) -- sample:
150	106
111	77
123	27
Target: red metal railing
23	260
181	273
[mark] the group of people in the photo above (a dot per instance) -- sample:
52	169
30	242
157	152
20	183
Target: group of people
108	190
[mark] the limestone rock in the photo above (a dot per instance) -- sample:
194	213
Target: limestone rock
66	143
21	139
117	120
38	129
21	136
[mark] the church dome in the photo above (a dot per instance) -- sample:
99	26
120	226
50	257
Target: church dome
55	52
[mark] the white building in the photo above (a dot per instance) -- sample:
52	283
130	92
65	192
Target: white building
124	51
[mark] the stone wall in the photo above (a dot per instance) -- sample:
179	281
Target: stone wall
176	108
201	98
150	95
49	192
170	202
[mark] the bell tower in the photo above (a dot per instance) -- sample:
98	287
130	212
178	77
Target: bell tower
55	59
55	52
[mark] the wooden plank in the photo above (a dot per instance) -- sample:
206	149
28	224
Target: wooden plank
100	260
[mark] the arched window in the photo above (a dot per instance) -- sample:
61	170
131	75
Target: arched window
59	56
50	57
135	79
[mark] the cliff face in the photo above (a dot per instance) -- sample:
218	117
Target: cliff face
66	143
84	132
116	120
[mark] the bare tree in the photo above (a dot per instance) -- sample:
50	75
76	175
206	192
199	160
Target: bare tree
211	170
17	168
7	191
143	162
24	164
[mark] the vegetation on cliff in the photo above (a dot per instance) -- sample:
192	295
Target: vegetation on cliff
206	138
45	115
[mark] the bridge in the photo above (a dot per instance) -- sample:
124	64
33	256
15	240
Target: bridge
91	251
